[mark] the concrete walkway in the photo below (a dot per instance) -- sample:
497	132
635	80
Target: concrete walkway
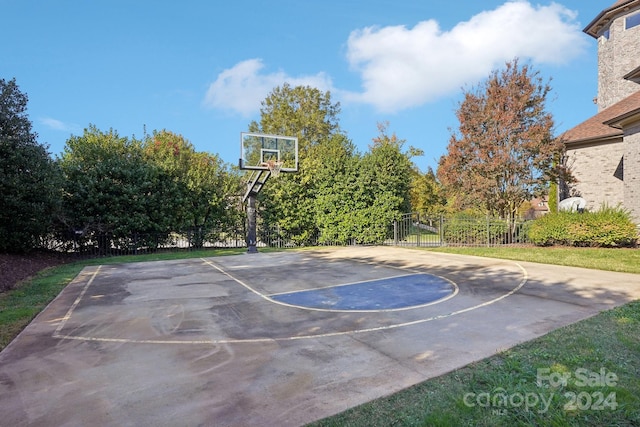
209	342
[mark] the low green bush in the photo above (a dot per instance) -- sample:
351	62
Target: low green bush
608	227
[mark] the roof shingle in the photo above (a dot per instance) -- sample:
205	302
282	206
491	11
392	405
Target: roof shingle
595	26
594	127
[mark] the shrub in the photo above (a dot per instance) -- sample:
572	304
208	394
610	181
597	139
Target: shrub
550	229
608	227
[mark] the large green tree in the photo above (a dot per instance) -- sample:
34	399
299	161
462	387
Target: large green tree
337	191
337	171
206	187
359	196
504	151
308	114
426	193
384	185
301	111
29	178
112	192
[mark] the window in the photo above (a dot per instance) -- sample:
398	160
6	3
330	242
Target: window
632	21
619	172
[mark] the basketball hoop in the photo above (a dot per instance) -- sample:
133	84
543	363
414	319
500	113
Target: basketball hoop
274	167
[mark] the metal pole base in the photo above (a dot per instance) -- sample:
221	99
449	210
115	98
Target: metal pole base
251	228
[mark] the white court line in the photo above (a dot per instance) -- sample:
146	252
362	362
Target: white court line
335	310
523	281
379	310
67	316
319	288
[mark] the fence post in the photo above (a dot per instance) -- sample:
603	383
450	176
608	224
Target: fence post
488	232
395	233
441	230
279	235
512	227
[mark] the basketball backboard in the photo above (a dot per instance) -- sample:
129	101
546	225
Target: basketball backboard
258	149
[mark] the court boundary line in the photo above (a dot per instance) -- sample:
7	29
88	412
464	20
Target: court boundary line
330	310
319	288
373	310
67	316
57	333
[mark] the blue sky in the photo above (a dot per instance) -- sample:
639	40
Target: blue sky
200	68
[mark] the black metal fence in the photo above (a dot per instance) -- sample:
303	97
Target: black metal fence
110	244
414	229
411	229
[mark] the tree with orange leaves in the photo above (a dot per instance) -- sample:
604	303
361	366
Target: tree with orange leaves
504	152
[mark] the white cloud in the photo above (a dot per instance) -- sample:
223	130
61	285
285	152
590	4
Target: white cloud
402	68
243	87
55	124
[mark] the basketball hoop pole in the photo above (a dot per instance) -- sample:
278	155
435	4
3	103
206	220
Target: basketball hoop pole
251	225
266	156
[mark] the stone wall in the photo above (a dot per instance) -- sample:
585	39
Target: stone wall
617	56
596	169
632	171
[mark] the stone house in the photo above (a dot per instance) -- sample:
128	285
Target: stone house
603	152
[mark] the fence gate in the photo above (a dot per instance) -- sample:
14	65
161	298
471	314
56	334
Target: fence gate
414	229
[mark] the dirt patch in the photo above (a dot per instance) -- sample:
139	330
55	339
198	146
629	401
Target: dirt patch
16	268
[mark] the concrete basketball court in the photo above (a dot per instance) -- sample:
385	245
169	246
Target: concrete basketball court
232	341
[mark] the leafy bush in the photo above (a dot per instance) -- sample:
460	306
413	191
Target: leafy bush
608	227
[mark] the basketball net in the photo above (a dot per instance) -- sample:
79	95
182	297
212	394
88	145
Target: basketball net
274	167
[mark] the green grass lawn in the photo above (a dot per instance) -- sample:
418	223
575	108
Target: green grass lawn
621	260
599	357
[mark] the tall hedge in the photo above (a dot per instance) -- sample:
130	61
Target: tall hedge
30	181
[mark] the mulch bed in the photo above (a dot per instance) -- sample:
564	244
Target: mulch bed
16	268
